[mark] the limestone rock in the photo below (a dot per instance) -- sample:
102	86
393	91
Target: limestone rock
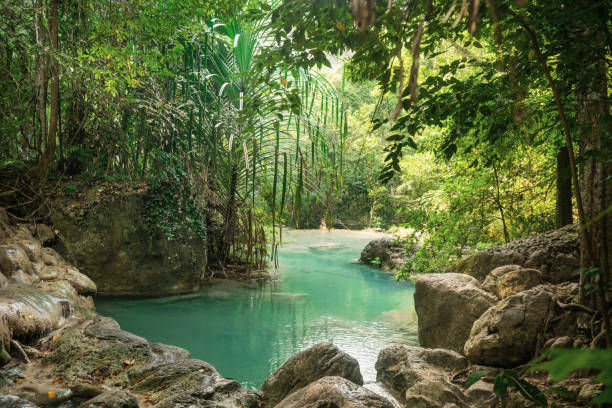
387	251
190	383
447	305
112	399
509	280
164	373
51	257
12	401
334	392
589	391
321	360
81	283
435	393
14	258
555	254
45	234
20	277
111	243
32	248
507	333
29	310
481	395
418	375
562	342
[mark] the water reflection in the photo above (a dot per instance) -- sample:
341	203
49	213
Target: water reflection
247	331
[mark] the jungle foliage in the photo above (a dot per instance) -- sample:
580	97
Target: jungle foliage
168	92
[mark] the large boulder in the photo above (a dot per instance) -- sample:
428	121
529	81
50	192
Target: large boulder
112	399
115	244
554	253
509	280
321	360
506	335
29	311
418	375
384	252
124	361
447	305
334	392
190	383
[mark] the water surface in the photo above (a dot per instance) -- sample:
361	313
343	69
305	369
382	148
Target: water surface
247	331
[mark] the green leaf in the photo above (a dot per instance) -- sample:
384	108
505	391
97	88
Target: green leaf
475	377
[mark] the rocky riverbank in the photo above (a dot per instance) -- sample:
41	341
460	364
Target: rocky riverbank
56	351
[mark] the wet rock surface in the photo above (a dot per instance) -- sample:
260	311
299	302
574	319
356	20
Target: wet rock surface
12	401
447	305
321	360
334	392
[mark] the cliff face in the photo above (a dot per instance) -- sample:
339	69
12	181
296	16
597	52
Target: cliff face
112	241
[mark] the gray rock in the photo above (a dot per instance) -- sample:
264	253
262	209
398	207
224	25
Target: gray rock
447	305
435	393
14	258
8	376
554	253
418	375
191	383
507	333
51	257
321	360
481	395
589	391
32	248
334	392
45	234
12	401
562	342
388	252
112	399
509	280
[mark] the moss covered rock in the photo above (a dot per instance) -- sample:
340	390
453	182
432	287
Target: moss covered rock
112	241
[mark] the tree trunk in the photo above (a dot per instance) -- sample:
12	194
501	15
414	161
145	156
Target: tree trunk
54	118
593	114
41	77
564	189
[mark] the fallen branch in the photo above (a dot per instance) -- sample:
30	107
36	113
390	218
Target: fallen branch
575	306
20	349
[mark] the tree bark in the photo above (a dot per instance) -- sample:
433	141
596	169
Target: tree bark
593	114
41	77
564	189
54	114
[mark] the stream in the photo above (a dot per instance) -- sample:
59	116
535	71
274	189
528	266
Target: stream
247	330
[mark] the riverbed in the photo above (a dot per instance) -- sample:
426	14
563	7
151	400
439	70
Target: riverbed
247	330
